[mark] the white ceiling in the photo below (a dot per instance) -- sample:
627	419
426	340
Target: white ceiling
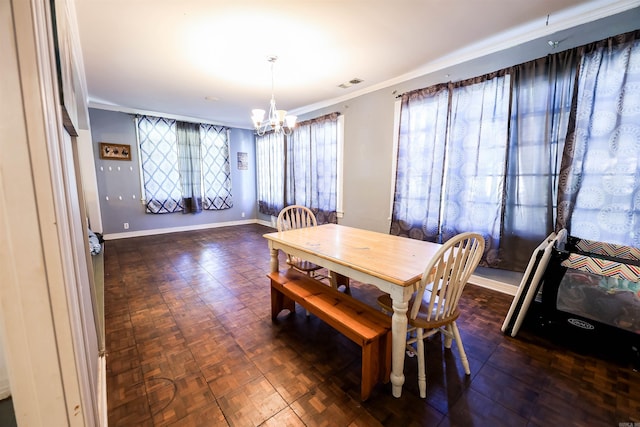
207	59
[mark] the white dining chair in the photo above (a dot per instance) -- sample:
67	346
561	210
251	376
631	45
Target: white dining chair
434	306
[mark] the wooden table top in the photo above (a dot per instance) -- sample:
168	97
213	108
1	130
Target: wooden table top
397	260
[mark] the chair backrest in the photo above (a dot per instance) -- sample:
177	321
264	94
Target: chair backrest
295	216
448	271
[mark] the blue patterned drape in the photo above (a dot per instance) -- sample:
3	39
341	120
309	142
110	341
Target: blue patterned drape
600	186
300	169
475	161
312	167
542	91
270	154
420	167
588	96
452	162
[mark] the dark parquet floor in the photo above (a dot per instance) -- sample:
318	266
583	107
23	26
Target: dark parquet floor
190	342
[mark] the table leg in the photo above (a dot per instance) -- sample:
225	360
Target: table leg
399	337
275	267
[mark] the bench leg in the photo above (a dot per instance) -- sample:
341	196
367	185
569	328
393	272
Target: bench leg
280	302
370	368
338	280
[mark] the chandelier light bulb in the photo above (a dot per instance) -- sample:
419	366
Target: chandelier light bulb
290	121
257	116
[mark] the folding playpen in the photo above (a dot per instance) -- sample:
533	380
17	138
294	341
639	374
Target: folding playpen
583	293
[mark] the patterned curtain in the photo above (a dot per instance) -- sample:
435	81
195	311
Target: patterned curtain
452	162
588	97
270	158
420	169
189	160
159	160
475	161
541	101
312	165
600	186
185	166
216	175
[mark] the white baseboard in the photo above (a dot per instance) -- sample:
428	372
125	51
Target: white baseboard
505	288
152	232
271	224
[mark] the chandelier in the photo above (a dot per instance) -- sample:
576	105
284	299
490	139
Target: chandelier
277	120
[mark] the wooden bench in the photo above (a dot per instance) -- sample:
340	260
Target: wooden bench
362	324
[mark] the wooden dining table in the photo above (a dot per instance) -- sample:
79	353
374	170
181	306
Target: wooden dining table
393	264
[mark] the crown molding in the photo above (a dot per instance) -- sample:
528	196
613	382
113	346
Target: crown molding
536	29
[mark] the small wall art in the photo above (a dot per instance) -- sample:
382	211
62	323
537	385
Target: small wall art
243	161
109	151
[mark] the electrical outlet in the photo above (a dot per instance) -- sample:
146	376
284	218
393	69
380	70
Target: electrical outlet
126	225
242	214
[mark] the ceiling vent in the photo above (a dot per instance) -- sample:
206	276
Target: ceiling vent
350	83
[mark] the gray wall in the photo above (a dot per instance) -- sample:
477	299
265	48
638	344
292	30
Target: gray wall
368	150
368	119
368	140
119	181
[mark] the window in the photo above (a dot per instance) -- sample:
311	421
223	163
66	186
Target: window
216	175
185	166
303	168
542	148
538	128
451	161
601	166
270	158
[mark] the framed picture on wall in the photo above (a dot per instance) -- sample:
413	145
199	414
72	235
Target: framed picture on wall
243	161
66	67
109	151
